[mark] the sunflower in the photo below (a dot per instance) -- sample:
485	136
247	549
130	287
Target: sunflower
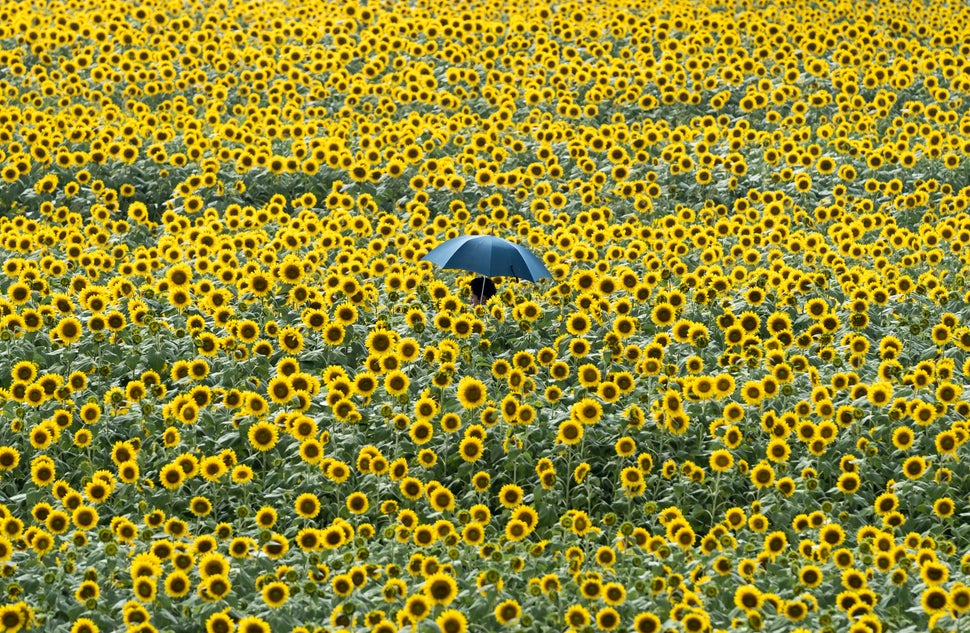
68	330
357	503
200	506
752	392
307	505
748	598
721	460
775	543
481	481
275	594
507	611
364	384
762	475
586	411
441	499
591	588
421	432
778	450
452	621
960	598
427	457
396	383
144	588
381	342
934	600
570	432
77	381
914	467
311	451
333	334
810	576
263	436
853	579
255	405
943	507
425	408
631	478
663	314
252	624
832	535
177	584
588	375
90	413
625	446
279	389
903	438
266	517
440	588
307	539
578	324
473	533
471	392
614	594
511	495
411	487
934	573
337	471
947	442
646	622
171	476
848	483
470	449
24	372
417	607
577	616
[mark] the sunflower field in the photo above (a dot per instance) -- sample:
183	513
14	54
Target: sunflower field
233	397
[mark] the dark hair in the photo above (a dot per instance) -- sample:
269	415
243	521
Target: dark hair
483	287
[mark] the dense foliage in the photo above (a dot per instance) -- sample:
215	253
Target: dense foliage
233	395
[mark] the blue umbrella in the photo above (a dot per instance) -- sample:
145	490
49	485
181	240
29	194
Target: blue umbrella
490	256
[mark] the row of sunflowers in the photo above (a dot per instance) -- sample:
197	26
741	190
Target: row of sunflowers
234	397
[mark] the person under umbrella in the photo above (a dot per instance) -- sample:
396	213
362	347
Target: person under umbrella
482	289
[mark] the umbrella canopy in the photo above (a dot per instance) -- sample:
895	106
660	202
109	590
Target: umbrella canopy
490	256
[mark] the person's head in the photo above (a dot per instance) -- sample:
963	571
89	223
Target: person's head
482	290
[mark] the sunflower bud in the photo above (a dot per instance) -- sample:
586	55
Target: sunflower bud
755	622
